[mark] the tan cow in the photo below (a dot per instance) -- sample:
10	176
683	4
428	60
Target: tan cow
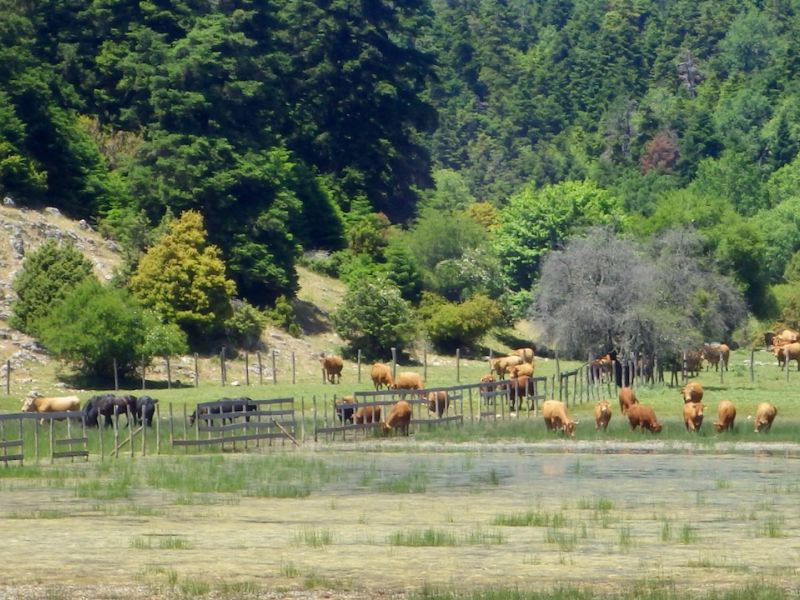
692	392
408	380
525	369
504	363
693	415
694	361
556	418
726	415
526	354
518	389
367	414
643	416
381	376
44	404
765	415
627	398
602	415
399	418
332	366
713	353
792	350
438	403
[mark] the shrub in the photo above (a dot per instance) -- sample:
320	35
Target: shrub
48	274
451	326
245	326
373	317
282	315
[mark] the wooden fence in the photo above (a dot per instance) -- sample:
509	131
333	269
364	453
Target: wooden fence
71	443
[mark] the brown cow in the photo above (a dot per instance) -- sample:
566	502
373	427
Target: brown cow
519	388
556	418
367	414
526	354
600	369
438	403
693	415
332	366
643	416
399	418
381	376
520	370
726	415
408	380
692	392
713	353
602	415
765	414
627	398
44	404
793	352
694	361
504	363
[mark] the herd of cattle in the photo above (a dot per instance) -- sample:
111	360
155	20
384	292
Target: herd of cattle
140	409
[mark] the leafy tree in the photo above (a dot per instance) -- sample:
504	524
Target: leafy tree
162	339
402	270
182	278
95	324
246	324
537	221
451	325
48	274
442	235
373	317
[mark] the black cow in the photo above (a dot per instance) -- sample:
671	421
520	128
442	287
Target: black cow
226	406
146	405
107	405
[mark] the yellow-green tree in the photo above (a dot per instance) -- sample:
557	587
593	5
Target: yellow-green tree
182	278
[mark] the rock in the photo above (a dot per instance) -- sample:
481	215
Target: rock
235	383
17	243
51	210
61	385
84	225
9	201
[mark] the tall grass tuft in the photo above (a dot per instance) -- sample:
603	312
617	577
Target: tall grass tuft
316	538
531	519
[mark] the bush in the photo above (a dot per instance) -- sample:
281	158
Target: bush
47	276
452	326
282	315
374	317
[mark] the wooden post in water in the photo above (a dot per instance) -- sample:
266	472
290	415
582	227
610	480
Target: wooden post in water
169	374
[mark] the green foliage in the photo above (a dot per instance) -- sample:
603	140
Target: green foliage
402	270
368	235
93	326
282	315
182	278
539	220
162	339
245	325
451	326
48	274
373	317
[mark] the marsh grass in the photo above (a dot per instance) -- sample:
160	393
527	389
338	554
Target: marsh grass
45	513
172	542
413	482
141	543
288	569
316	538
597	504
687	534
625	539
439	537
531	519
771	528
666	531
566	542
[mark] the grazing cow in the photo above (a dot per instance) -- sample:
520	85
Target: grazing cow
726	415
518	389
144	409
504	363
792	350
525	369
344	408
627	398
643	416
399	418
765	414
556	418
486	388
526	354
713	353
692	392
693	362
105	405
408	380
693	415
600	369
381	376
438	403
367	414
226	407
332	366
45	404
602	414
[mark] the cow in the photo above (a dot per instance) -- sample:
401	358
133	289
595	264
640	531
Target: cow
526	354
408	380
47	404
643	416
504	363
726	415
602	415
627	398
438	403
332	368
344	408
367	414
487	387
105	405
518	389
399	418
765	414
225	406
381	376
790	350
692	392
145	409
525	369
556	418
713	353
600	369
693	415
693	362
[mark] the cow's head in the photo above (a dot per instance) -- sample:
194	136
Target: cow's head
656	428
718	426
28	404
569	428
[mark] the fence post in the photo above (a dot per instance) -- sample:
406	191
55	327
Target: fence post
196	373
169	374
116	376
394	362
222	365
158	430
294	370
246	368
752	373
458	365
8	377
425	363
274	375
358	360
721	365
786	361
144	373
260	369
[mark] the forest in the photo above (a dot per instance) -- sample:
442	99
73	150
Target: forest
453	161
